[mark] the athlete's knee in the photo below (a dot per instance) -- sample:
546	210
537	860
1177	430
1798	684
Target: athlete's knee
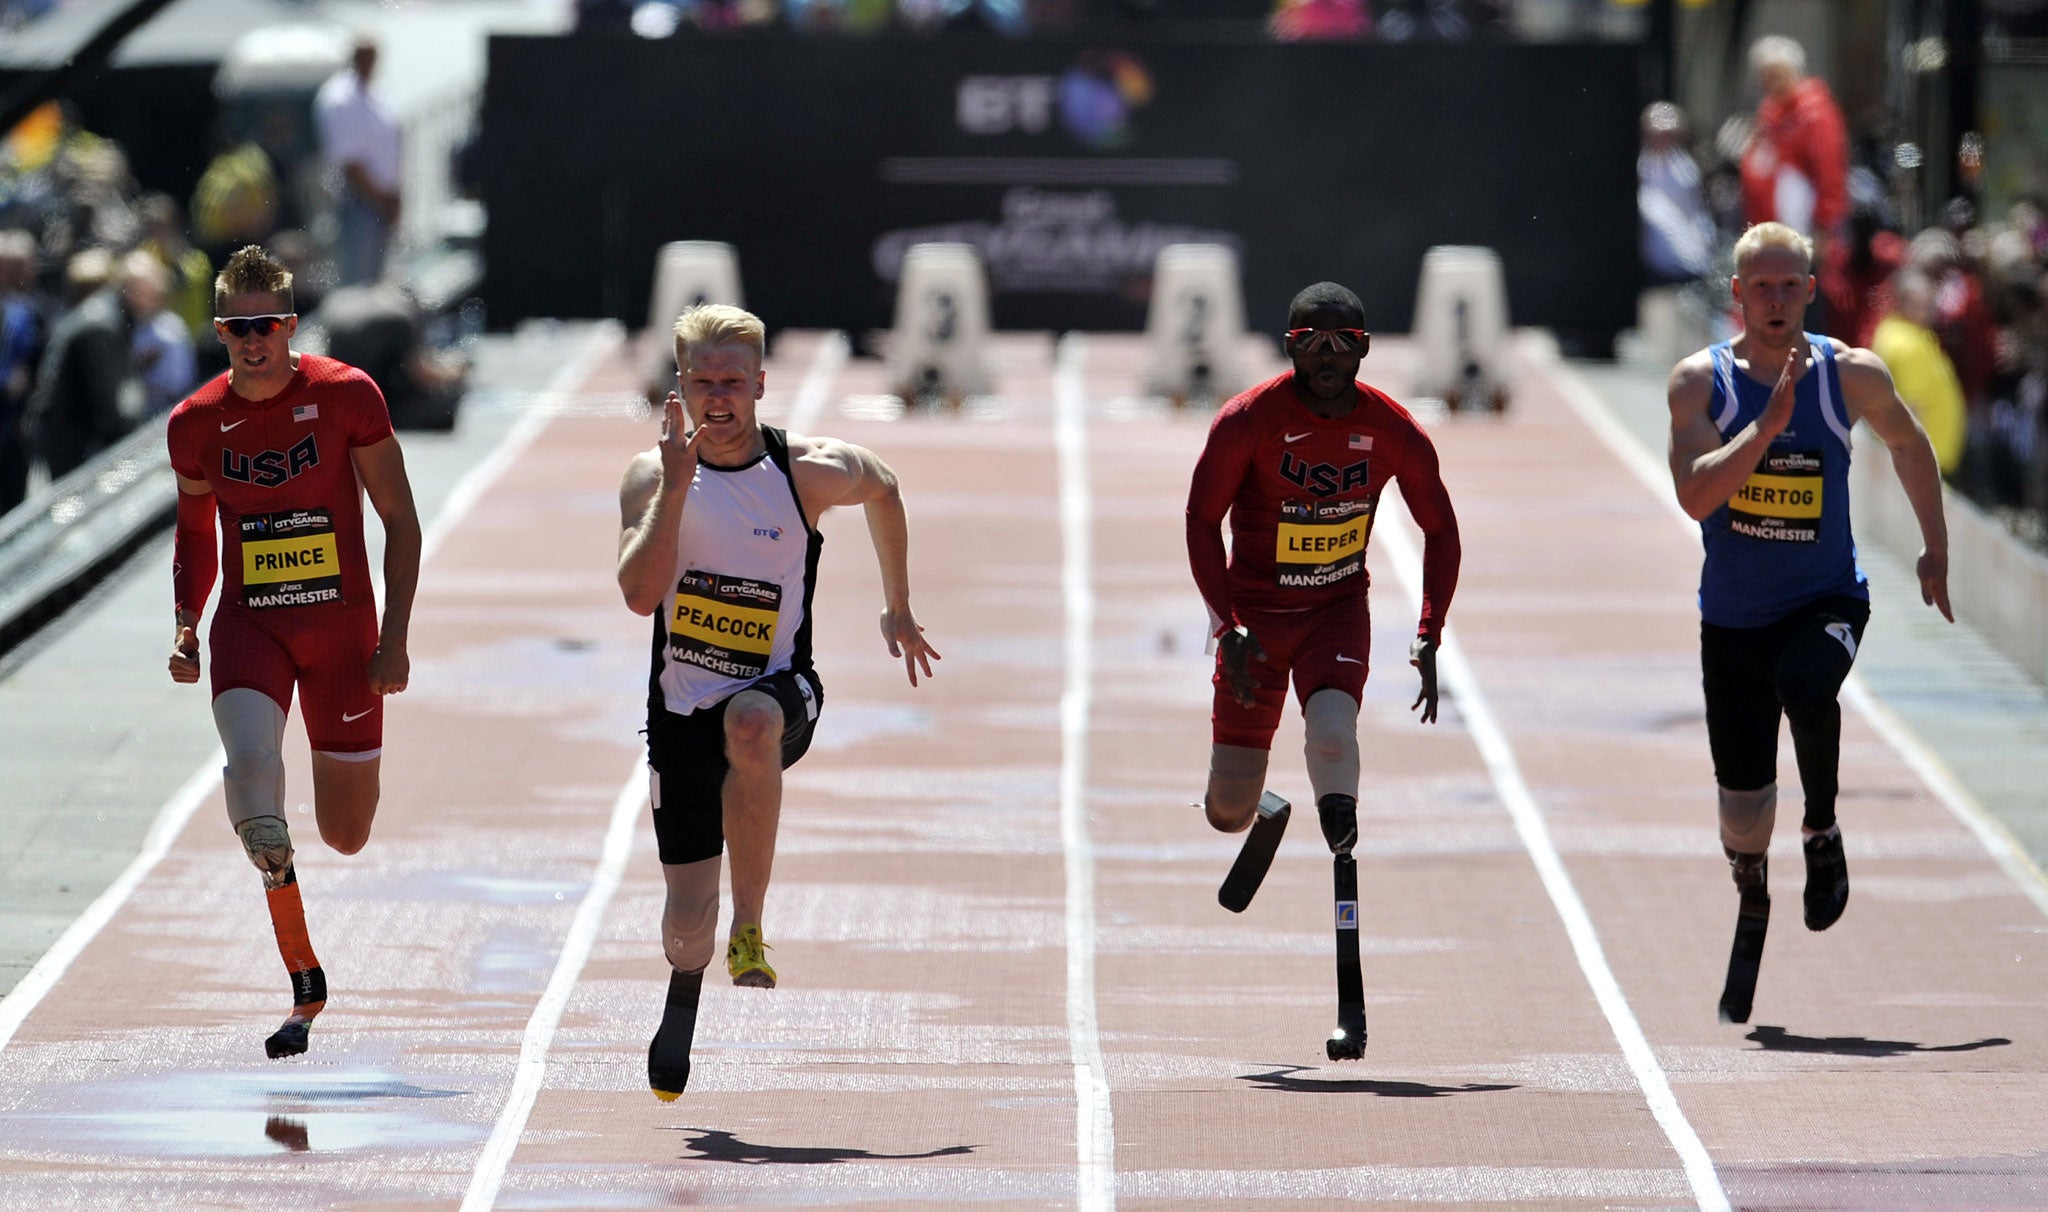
753	729
1230	809
1747	818
347	838
1237	774
689	917
1330	722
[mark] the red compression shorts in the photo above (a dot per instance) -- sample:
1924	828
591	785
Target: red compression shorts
326	654
1326	648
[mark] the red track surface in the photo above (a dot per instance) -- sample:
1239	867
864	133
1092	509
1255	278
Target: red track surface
927	1041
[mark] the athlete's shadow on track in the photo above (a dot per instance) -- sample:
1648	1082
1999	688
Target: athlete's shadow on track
1777	1039
725	1147
1283	1079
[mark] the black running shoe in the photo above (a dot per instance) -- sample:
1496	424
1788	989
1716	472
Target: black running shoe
1827	879
288	1040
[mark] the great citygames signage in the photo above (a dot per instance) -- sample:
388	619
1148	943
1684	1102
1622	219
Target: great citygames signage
1068	164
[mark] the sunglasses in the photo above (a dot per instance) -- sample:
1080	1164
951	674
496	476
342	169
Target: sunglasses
1337	340
242	326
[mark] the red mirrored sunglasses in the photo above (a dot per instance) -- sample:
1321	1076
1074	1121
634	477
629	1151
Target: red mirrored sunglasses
1339	340
242	326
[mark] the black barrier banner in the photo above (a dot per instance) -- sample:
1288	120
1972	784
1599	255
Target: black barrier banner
1068	164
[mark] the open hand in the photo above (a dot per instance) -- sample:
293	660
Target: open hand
1422	655
906	639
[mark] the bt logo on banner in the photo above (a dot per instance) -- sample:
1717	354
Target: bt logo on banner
997	105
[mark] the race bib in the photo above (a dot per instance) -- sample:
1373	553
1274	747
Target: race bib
1781	500
289	559
724	624
1321	542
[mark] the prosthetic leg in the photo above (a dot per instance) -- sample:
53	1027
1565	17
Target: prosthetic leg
252	732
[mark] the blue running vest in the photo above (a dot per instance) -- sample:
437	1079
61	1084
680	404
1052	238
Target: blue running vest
1783	540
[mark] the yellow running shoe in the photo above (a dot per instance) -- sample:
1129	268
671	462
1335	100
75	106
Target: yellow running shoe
743	959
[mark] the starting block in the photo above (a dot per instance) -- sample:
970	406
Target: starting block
686	273
1461	328
1195	325
938	350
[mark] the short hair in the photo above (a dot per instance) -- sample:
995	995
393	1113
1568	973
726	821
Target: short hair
1323	296
1761	236
1777	50
251	271
714	324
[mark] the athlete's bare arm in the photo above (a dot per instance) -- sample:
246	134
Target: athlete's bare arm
381	468
1707	472
1870	396
651	498
195	511
829	472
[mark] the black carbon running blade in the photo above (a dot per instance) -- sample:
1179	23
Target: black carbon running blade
1256	856
1745	958
1347	1042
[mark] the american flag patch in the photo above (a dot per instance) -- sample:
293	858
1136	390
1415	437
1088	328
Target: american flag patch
307	412
1361	441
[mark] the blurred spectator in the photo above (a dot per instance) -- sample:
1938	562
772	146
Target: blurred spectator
1320	20
21	327
162	352
1796	167
377	329
85	274
237	200
359	143
1962	314
88	393
1678	233
1855	274
1923	374
191	271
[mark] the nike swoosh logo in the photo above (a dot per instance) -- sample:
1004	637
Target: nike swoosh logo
350	719
1296	437
225	426
1349	660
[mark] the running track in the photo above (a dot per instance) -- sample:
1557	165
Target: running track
1006	983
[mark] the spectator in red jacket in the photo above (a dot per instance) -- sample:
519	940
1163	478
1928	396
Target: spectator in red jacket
1796	168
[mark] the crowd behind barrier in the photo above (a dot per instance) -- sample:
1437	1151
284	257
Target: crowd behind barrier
1955	307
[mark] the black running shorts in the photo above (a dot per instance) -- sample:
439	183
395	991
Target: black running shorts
686	762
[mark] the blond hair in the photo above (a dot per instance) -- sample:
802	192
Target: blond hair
1761	236
709	325
251	271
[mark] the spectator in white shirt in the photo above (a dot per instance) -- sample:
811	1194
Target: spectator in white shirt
359	143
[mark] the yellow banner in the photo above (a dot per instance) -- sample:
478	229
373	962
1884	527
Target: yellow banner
266	561
1297	543
723	624
1779	496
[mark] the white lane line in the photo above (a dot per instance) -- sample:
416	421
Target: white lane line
826	363
547	1015
1094	1133
171	819
1991	832
1456	675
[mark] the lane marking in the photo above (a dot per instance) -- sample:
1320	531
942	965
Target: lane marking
177	811
547	1014
826	364
1094	1131
1501	765
1991	832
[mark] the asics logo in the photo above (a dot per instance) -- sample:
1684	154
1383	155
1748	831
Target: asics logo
1296	437
1349	660
350	719
1844	635
226	425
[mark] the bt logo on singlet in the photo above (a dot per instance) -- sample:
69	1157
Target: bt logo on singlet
271	467
1325	479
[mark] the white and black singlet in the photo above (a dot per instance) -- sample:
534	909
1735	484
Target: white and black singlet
746	563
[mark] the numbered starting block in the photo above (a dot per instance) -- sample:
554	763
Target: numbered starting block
1196	325
686	273
938	350
1461	329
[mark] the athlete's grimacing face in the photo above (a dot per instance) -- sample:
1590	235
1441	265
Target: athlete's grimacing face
258	356
1773	288
1326	373
720	386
